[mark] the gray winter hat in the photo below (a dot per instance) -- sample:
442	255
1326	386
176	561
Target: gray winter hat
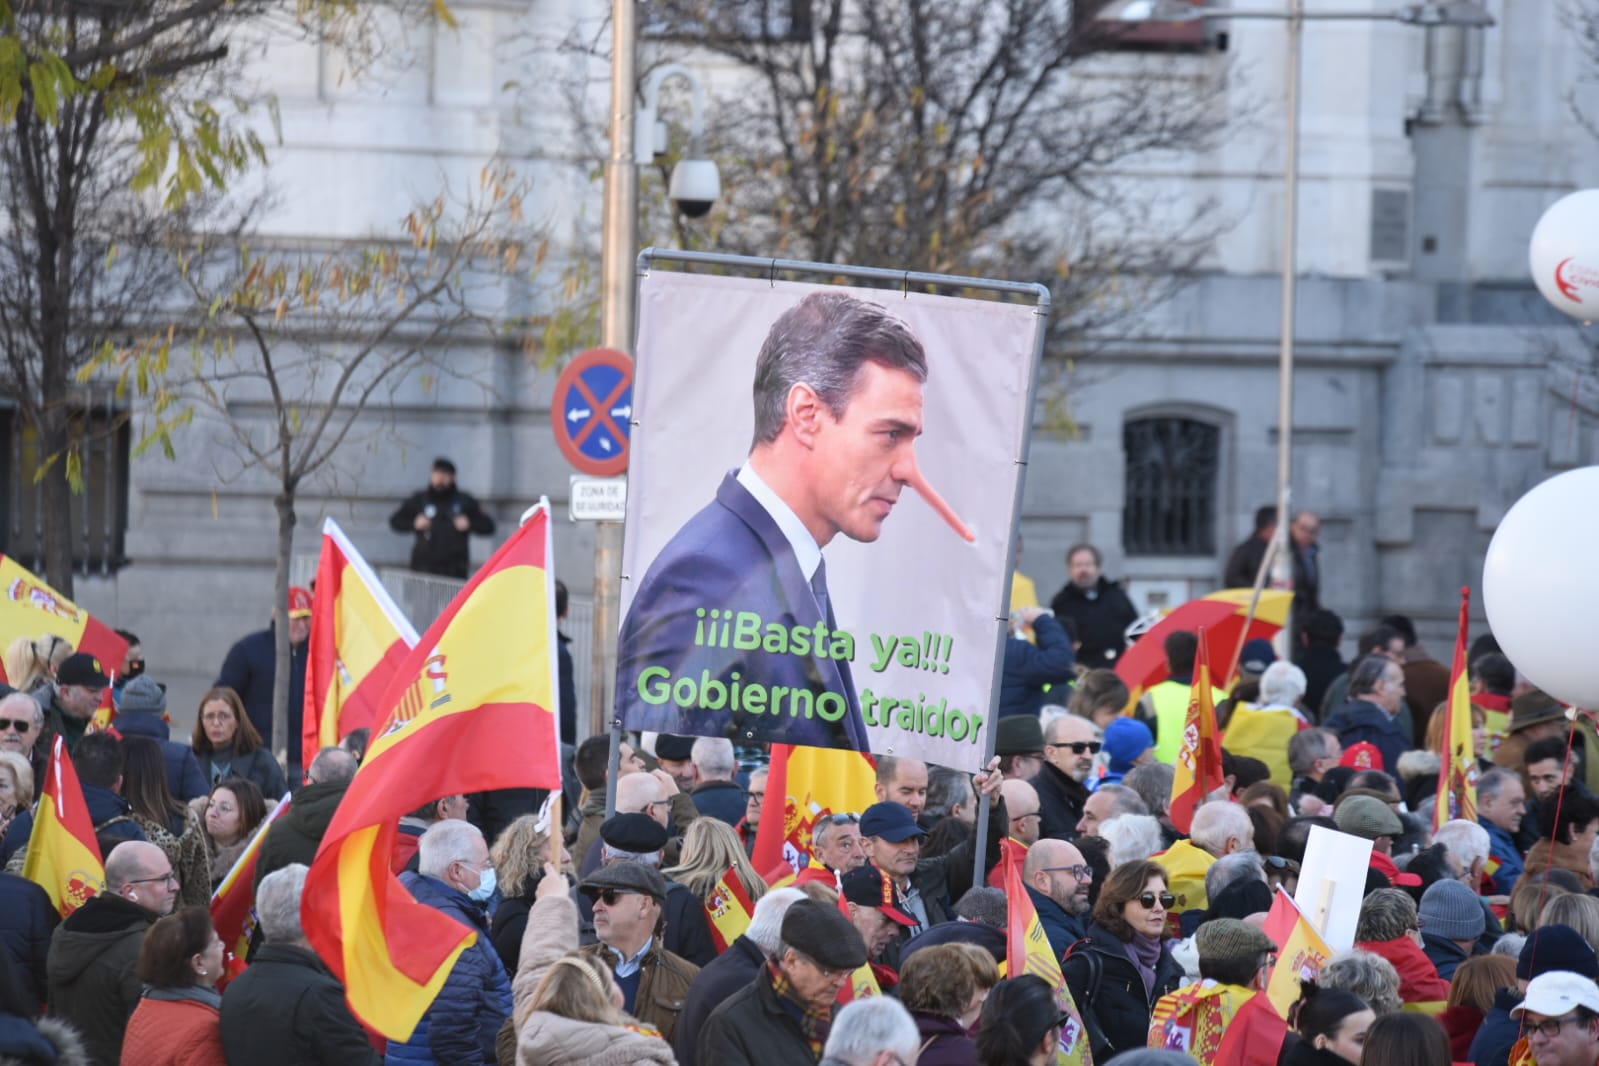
142	695
1449	909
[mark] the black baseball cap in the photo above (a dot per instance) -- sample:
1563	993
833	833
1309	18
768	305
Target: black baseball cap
81	668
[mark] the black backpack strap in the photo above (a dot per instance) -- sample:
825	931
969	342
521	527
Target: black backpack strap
1083	949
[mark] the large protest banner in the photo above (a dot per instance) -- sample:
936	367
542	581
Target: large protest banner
820	497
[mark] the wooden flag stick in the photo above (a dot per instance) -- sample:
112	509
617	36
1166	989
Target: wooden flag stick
555	828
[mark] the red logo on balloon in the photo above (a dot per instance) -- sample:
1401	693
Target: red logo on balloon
1569	275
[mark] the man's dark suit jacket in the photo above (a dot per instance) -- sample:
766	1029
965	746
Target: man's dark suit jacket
731	556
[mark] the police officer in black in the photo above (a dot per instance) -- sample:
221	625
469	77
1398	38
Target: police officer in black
443	517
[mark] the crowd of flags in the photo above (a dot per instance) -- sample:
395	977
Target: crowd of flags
471	705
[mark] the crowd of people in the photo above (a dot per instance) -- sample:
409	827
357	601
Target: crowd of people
1476	941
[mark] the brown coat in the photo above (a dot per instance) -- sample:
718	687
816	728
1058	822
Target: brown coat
544	1039
662	988
1565	858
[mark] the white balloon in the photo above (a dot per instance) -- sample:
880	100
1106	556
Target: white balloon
1540	586
1564	254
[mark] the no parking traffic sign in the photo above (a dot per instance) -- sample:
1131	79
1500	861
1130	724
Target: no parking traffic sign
592	410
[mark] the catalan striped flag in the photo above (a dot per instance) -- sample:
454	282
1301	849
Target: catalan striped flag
233	902
1199	771
1457	779
471	708
63	855
729	910
359	637
804	786
30	608
1301	952
1027	950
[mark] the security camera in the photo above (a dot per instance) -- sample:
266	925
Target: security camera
695	187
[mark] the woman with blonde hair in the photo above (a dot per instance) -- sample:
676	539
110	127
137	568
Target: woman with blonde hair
568	1008
710	848
518	856
1530	894
1581	912
16	796
31	664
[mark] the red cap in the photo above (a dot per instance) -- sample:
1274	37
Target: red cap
1363	756
299	602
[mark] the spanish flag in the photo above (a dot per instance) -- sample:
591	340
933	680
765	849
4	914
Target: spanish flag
1457	779
471	708
729	910
233	902
63	855
804	786
1199	770
1027	950
1301	952
1255	1035
358	640
30	608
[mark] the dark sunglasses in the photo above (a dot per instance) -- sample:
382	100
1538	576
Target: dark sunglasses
21	725
1166	900
1079	746
609	896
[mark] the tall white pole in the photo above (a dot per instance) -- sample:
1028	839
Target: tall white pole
1283	570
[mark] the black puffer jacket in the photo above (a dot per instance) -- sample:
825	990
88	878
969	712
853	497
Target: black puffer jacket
288	1007
296	836
1116	1000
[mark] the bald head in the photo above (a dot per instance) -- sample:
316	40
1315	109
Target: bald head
641	794
1052	867
1021	804
902	781
142	874
332	765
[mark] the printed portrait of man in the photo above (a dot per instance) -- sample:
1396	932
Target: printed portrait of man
732	629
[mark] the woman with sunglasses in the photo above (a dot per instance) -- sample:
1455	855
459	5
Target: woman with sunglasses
1124	965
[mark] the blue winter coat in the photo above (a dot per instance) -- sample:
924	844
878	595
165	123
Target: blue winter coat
1361	720
184	779
460	1027
251	665
1061	928
1028	668
1502	846
1499	1031
26	921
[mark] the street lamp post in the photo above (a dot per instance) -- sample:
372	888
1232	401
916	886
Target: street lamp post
1431	13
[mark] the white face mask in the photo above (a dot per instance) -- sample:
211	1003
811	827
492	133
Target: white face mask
485	886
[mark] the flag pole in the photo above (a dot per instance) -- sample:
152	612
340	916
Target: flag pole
1254	605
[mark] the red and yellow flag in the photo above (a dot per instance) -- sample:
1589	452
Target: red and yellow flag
471	708
1457	779
358	640
1255	1035
1199	771
729	910
63	855
1301	952
233	902
1194	1018
804	786
1027	950
30	608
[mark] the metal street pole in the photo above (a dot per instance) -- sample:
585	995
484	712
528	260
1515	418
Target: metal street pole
1283	571
618	254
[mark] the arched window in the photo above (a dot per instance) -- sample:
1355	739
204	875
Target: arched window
1169	506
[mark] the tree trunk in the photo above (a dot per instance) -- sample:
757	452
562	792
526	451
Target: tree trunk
54	439
282	743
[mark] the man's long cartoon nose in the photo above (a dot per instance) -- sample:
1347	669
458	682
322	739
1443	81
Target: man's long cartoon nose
909	471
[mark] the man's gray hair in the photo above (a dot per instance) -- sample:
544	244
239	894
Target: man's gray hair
1368	670
824	341
1494	781
1131	837
1231	869
1282	685
947	789
868	1027
333	764
443	843
984	906
1510	944
1123	800
766	923
21	699
1152	781
1308	745
1151	1056
713	757
1217	822
1466	841
610	855
277	904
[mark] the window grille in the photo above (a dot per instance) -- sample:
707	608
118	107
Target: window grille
1169	506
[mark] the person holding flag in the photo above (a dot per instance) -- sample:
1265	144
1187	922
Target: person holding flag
1235	959
1457	778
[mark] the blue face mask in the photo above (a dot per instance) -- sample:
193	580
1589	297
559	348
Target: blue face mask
485	887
